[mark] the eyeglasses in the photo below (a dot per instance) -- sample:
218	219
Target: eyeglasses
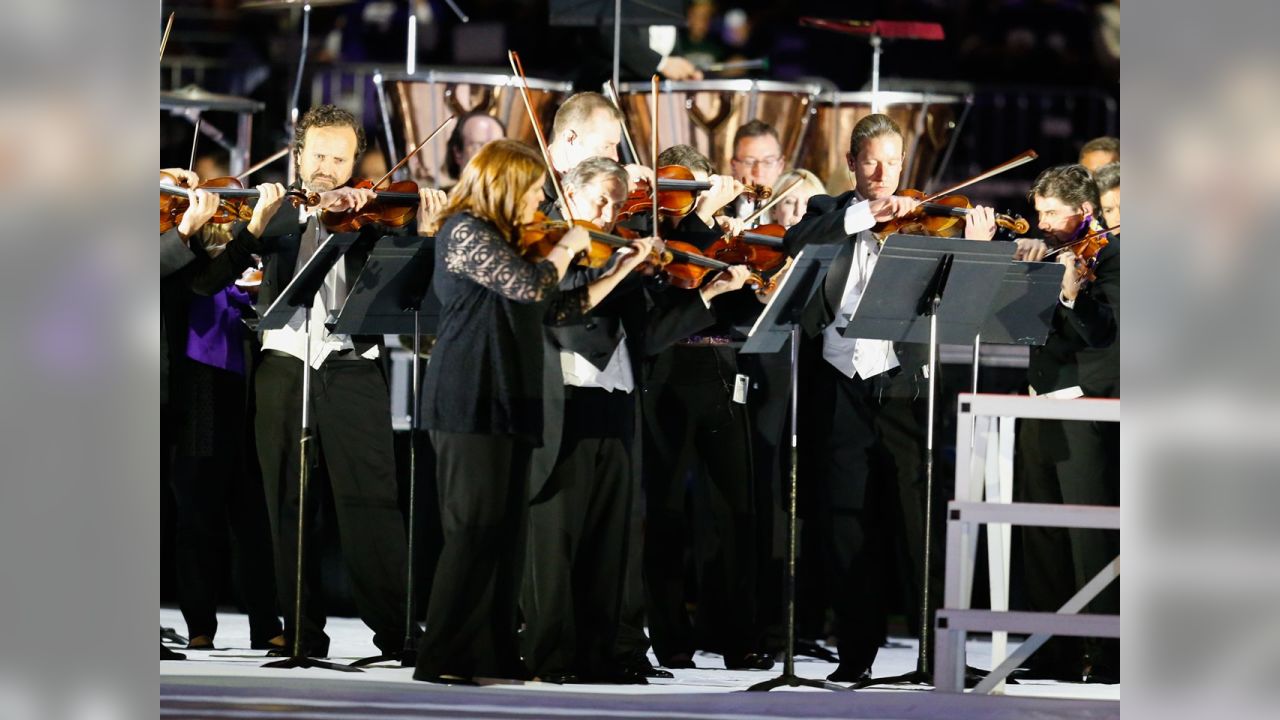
751	163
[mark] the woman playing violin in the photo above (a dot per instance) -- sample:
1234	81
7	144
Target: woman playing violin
484	404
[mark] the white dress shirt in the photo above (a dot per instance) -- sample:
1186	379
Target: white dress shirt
292	339
857	357
616	375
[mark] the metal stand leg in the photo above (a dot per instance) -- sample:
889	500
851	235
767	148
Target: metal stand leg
298	659
788	678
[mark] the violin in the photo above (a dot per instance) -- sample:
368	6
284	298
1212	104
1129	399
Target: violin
941	217
689	267
677	193
1086	249
233	200
761	248
394	207
538	238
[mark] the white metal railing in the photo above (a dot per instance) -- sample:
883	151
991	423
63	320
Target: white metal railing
983	496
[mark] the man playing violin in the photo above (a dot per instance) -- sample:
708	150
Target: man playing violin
1073	462
581	526
350	405
586	125
693	421
864	426
757	159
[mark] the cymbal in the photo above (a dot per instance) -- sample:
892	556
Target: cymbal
289	4
196	97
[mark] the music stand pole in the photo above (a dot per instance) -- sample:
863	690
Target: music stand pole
298	660
297	84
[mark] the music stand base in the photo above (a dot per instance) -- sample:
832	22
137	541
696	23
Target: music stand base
789	680
406	658
306	662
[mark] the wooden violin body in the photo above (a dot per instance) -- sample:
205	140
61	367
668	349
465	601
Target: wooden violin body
233	200
394	207
941	217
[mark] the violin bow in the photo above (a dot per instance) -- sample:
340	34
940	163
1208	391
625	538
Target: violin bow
518	68
1020	159
164	39
653	150
263	163
421	145
612	94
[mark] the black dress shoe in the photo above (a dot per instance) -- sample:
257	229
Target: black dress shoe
167	654
678	662
446	679
847	674
644	670
750	661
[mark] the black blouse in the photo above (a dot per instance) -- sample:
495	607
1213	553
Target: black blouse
485	373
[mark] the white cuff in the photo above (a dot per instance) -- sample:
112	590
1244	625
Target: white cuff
858	217
1068	304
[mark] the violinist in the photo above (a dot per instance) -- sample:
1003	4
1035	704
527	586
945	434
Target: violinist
1073	462
484	401
863	428
757	158
1107	178
791	208
579	516
215	489
695	420
351	411
586	125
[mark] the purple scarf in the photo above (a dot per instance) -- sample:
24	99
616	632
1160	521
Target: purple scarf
216	336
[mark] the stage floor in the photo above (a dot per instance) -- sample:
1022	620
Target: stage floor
230	683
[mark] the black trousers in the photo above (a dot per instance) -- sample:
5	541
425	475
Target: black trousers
690	418
483	483
216	489
578	531
351	427
769	410
864	445
1077	463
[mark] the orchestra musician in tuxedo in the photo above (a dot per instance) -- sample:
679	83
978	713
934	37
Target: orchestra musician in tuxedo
1073	462
862	401
582	502
350	405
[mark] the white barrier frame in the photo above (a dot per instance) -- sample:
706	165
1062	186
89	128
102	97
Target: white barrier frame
983	496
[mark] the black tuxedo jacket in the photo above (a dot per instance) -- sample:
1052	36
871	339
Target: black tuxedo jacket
823	224
1084	346
653	321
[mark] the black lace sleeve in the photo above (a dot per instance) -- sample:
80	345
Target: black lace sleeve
569	307
475	250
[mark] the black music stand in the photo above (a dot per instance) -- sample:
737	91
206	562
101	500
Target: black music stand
301	292
387	299
779	321
602	13
928	290
1023	310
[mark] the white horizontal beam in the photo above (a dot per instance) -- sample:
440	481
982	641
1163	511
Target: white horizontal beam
1039	408
1028	623
1035	514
